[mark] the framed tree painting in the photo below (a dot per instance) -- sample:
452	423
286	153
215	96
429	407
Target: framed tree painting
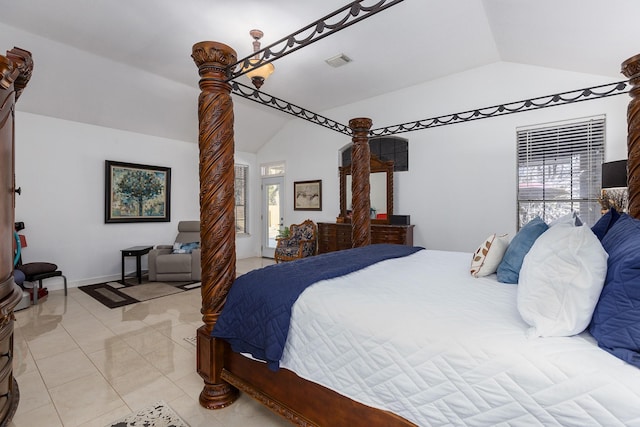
307	195
137	193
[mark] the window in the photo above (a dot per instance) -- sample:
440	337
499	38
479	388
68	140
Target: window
272	169
240	188
559	170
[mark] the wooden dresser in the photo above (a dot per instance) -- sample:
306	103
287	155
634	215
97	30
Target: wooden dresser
335	236
15	70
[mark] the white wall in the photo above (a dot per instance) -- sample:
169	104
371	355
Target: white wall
461	183
310	152
60	166
109	98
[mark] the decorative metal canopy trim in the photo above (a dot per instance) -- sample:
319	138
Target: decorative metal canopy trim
587	94
355	12
563	98
340	19
287	107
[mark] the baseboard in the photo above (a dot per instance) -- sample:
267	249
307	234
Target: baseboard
57	283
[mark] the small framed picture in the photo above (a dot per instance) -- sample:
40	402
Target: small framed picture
137	193
307	195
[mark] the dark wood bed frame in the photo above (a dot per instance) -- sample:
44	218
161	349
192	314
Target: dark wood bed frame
15	71
224	372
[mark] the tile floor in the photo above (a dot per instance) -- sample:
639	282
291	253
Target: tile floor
79	363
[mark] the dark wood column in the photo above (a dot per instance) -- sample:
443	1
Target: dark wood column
360	187
15	72
631	69
217	228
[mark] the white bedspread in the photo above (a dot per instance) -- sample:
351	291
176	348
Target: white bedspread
420	337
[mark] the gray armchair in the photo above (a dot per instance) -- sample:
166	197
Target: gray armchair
180	261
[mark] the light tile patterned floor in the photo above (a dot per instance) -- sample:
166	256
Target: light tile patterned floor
79	363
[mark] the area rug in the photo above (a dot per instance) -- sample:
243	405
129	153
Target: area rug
157	415
115	294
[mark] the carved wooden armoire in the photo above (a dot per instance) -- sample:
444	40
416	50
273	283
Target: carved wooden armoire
15	71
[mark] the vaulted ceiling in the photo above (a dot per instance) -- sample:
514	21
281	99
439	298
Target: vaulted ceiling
127	65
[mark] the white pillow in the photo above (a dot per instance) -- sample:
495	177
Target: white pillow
570	218
561	280
488	256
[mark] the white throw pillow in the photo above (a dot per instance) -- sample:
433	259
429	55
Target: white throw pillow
488	256
561	280
570	218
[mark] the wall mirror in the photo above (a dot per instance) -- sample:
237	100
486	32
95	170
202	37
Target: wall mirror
381	192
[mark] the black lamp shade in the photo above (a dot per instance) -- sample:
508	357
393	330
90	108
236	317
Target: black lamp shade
614	174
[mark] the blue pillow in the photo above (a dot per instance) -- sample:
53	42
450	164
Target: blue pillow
616	319
185	248
509	268
18	277
605	223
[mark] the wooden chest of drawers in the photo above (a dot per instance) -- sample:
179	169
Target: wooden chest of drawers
334	236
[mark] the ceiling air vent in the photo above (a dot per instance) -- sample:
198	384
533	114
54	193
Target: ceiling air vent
338	60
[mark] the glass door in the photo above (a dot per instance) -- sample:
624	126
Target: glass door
272	213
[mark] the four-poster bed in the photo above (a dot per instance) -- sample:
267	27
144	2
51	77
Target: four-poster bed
15	72
305	402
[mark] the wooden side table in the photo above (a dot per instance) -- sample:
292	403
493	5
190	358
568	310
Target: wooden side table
136	251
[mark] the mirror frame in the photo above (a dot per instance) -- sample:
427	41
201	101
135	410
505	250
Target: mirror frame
376	165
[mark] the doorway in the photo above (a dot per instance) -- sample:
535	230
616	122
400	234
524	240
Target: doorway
272	213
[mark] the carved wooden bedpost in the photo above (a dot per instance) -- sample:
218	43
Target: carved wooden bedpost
631	70
360	187
15	72
217	228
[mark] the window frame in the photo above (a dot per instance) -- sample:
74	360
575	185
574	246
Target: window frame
244	180
270	169
569	152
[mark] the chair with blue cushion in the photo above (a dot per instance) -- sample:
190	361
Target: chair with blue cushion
180	261
302	242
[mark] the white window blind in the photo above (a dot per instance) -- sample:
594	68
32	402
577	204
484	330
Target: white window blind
240	187
560	169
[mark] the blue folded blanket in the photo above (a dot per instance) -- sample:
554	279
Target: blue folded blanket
256	315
